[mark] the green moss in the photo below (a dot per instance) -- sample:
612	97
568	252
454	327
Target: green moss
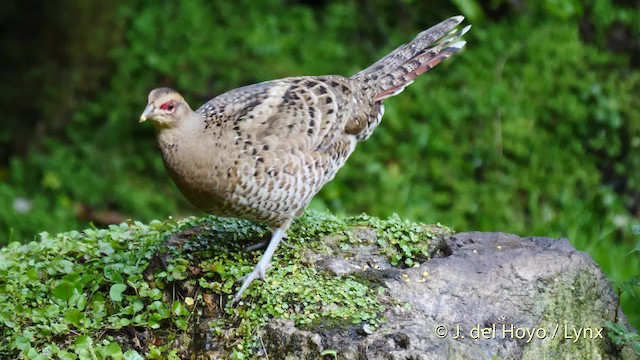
581	320
83	294
402	241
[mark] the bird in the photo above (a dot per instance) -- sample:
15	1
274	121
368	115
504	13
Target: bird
261	152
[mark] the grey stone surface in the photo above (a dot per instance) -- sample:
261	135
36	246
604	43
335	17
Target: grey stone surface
489	295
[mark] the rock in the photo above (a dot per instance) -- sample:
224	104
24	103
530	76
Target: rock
346	288
494	296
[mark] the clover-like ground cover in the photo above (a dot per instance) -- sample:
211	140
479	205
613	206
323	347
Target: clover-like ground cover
157	290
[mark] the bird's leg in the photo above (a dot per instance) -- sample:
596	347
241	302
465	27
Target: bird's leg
260	270
263	245
257	246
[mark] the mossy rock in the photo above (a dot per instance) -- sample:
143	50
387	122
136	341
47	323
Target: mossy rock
162	288
356	287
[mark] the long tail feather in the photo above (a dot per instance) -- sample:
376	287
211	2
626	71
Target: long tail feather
391	74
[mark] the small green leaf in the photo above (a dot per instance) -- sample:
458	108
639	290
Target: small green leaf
115	293
181	323
179	309
106	249
82	301
83	341
153	322
155	294
113	272
33	274
65	355
138	305
74	317
22	343
132	355
63	291
119	323
114	350
33	354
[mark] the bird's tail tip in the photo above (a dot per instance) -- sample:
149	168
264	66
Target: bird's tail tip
457	45
395	71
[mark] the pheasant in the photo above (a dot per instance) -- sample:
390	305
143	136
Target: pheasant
261	152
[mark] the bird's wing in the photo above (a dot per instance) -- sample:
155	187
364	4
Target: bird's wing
302	113
290	134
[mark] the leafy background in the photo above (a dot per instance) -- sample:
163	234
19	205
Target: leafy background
533	129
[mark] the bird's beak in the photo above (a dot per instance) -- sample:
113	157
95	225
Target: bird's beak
148	110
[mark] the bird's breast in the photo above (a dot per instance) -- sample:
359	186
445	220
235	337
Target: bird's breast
201	172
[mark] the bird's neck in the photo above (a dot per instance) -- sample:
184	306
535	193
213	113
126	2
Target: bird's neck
182	132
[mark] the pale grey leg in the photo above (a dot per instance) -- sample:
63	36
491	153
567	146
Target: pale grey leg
259	272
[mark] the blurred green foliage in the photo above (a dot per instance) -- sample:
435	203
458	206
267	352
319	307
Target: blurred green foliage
533	129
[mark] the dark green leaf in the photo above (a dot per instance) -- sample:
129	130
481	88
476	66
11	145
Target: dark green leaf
63	291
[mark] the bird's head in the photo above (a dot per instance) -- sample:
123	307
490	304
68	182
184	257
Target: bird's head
165	108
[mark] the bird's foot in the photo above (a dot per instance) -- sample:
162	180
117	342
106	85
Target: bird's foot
261	269
260	272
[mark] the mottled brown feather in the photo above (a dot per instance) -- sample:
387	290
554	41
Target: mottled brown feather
261	152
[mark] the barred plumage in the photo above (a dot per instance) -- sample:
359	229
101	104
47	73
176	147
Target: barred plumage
261	152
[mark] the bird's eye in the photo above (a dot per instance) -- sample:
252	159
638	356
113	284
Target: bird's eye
169	106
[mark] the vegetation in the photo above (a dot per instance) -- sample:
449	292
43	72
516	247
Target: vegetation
617	332
533	129
82	294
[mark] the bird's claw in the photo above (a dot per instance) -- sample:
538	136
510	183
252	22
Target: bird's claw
261	269
258	273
